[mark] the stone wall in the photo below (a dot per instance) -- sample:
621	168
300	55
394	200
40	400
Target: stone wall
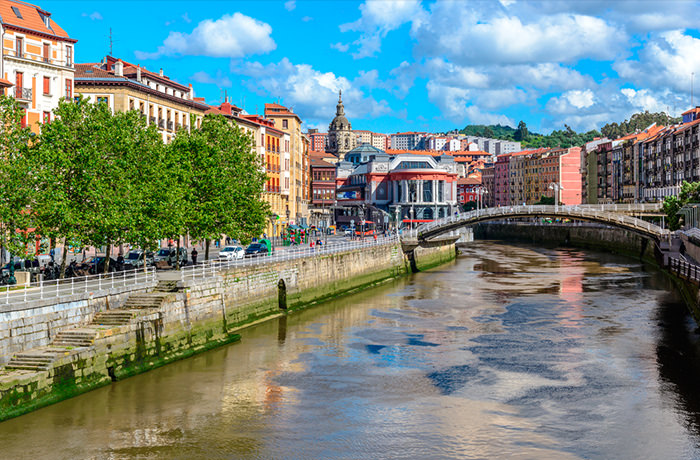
586	236
38	322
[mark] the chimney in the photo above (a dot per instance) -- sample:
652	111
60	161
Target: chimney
119	68
191	92
138	73
161	72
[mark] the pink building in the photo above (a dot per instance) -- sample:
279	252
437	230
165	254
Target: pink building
501	181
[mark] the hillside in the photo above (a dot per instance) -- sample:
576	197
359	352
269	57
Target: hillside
567	137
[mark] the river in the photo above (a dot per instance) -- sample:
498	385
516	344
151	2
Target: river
512	351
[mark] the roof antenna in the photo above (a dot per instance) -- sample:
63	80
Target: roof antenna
110	42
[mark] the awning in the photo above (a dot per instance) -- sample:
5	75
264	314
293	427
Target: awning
294	227
410	221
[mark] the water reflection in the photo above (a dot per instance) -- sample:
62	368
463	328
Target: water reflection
512	351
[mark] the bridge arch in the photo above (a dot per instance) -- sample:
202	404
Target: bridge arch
613	215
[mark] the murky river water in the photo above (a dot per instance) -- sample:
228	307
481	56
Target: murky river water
510	352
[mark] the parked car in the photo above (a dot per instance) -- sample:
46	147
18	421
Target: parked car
134	259
256	249
231	253
168	255
348	232
96	265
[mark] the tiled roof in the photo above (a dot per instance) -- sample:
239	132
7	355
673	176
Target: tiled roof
32	18
94	71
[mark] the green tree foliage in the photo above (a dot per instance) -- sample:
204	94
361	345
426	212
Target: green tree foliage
223	179
549	200
690	193
16	175
521	133
568	137
637	122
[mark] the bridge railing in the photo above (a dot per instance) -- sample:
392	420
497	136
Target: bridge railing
685	270
604	213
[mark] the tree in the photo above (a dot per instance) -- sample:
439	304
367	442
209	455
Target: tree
223	180
96	177
521	132
16	177
690	193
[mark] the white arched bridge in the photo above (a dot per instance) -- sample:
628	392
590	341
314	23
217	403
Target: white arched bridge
618	215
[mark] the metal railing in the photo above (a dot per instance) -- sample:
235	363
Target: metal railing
24	94
611	214
91	284
211	267
688	271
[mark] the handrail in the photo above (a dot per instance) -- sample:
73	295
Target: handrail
211	267
603	213
92	284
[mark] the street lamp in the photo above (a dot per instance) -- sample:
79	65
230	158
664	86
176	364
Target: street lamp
556	187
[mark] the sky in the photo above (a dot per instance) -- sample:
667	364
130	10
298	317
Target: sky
411	65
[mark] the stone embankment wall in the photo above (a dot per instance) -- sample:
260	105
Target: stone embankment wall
586	236
36	323
202	314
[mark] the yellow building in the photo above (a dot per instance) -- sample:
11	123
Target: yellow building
272	146
37	60
124	86
298	172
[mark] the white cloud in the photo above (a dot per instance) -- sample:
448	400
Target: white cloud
95	16
307	18
219	80
290	5
311	93
456	105
186	18
342	47
230	36
468	36
580	99
665	62
377	19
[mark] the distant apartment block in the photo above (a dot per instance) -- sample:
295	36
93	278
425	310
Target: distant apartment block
406	141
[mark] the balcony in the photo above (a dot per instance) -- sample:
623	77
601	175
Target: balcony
161	123
23	94
170	126
153	120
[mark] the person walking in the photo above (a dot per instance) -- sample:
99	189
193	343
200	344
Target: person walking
194	256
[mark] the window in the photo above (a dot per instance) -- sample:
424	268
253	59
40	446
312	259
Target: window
17	13
104	99
47	50
284	124
69	88
47	85
69	56
47	117
19	47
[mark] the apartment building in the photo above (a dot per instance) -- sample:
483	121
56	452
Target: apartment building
272	147
289	122
406	141
123	86
317	141
37	65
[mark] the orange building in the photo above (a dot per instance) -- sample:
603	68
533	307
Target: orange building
37	60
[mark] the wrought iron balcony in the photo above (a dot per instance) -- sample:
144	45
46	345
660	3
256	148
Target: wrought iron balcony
170	126
23	94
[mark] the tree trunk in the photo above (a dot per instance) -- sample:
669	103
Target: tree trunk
107	257
206	249
177	254
64	258
145	269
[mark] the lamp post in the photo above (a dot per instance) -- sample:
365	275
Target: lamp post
556	187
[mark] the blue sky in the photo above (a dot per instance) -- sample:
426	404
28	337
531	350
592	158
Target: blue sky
410	65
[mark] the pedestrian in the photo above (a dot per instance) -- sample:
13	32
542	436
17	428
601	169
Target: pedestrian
194	256
375	237
311	245
120	262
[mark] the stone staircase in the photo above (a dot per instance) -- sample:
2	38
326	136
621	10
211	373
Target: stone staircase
39	359
75	338
112	318
153	299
